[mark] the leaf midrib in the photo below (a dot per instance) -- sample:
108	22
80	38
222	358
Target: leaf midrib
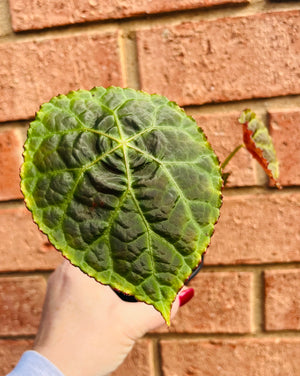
128	174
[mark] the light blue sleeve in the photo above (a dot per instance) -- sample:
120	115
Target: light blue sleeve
34	364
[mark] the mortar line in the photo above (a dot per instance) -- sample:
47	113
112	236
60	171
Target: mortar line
263	104
258	268
259	190
129	59
284	102
25	274
257	302
123	62
156	357
283	334
5	19
255	268
17	337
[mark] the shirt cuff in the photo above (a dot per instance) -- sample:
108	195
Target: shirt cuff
34	364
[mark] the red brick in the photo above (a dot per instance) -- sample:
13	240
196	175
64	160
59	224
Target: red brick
225	133
285	132
10	162
138	362
222	60
22	245
28	14
34	71
221	304
10	353
21	300
251	357
282	300
255	229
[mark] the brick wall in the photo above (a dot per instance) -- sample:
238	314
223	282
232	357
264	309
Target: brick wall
215	58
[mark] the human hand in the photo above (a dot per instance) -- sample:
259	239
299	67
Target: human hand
86	329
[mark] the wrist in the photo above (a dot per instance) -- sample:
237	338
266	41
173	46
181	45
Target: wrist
32	363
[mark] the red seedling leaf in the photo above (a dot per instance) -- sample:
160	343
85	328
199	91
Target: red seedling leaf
260	145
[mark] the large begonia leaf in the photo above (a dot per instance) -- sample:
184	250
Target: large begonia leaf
260	145
126	186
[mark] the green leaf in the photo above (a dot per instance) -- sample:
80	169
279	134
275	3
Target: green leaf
126	186
260	145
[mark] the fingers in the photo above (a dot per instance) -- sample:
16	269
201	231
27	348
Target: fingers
139	318
142	318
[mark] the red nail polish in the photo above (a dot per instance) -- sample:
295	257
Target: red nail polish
185	296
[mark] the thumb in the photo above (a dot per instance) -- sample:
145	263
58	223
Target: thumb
144	317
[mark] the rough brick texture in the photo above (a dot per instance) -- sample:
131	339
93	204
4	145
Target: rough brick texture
282	300
22	245
222	60
251	357
216	57
285	131
222	304
30	14
21	300
10	353
224	133
256	229
34	71
138	362
10	162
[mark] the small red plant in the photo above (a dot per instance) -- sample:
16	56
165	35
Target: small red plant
259	144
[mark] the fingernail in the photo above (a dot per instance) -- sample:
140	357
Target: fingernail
185	296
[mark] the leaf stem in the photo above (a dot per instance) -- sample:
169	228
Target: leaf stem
231	155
